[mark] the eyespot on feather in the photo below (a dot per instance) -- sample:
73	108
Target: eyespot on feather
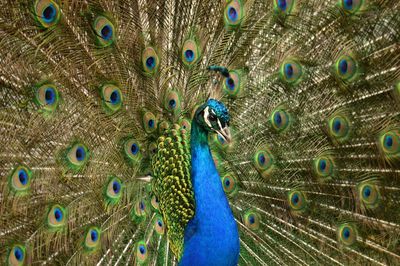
264	161
352	6
47	97
233	86
92	239
20	180
159	225
190	52
185	124
347	234
17	255
251	220
388	143
112	98
173	102
229	184
280	119
149	122
77	156
150	60
104	30
297	201
47	13
155	203
233	13
139	211
284	6
346	68
339	127
291	71
324	166
56	217
368	194
132	150
113	190
142	253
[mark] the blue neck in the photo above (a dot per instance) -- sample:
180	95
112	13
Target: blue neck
211	237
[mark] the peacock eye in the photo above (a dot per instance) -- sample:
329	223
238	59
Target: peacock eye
104	30
47	13
212	117
352	6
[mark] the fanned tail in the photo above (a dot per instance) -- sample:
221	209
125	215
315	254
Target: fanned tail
87	88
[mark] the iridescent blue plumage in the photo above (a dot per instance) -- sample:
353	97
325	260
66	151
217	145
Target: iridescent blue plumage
211	237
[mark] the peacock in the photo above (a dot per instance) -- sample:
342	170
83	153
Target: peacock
199	132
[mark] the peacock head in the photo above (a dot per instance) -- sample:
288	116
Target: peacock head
213	116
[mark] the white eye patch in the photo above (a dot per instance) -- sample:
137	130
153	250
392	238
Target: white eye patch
205	116
219	124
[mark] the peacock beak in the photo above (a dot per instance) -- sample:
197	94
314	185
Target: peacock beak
225	133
